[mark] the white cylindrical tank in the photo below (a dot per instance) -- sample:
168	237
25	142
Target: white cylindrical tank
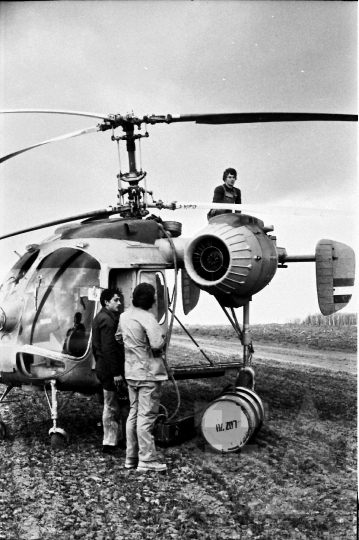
232	419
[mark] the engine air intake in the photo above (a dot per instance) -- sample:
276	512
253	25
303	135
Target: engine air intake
211	258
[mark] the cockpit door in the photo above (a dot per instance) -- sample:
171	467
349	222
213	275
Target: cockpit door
158	281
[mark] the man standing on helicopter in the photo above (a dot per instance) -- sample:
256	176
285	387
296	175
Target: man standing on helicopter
226	193
144	341
109	356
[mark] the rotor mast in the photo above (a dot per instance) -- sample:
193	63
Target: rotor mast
131	150
136	206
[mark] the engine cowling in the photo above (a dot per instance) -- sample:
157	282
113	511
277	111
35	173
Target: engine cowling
232	258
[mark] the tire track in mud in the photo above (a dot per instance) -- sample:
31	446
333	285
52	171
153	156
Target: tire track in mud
330	360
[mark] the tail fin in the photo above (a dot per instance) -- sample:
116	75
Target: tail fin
335	270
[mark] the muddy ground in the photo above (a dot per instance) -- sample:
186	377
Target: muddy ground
297	480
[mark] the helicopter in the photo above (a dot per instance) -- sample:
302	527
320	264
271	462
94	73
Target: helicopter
51	295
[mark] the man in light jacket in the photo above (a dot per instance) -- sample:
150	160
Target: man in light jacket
144	341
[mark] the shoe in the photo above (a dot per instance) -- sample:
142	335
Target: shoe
131	463
151	466
107	449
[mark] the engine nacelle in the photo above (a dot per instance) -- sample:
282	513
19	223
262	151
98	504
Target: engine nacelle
232	258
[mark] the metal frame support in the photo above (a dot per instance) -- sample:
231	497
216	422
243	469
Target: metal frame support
192	338
54	414
246	375
246	337
52	404
233	322
54	410
6	392
2	400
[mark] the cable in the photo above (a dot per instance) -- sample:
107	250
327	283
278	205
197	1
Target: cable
192	338
139	147
166	411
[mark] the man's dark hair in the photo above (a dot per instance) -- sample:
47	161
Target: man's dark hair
107	295
77	317
229	171
143	296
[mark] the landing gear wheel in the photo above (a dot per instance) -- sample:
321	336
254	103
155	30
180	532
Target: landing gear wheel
2	431
58	441
59	438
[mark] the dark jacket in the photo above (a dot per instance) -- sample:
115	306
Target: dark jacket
220	192
108	353
223	194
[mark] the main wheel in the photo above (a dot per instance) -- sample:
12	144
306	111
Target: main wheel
58	440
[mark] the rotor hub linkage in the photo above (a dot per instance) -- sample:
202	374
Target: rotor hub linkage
135	206
115	120
132	177
133	192
129	137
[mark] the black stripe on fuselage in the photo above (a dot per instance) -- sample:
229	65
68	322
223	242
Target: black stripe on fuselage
341	298
343	282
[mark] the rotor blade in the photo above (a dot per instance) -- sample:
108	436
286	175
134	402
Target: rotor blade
106	211
255	117
56	111
55	139
260	209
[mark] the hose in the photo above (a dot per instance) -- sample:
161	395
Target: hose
169	332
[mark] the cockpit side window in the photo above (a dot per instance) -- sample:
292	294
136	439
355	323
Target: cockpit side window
59	307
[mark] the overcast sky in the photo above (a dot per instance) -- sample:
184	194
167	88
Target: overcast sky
184	57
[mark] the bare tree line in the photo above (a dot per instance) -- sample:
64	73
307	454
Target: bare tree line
336	319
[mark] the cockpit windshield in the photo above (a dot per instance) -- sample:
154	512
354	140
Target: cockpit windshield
16	274
58	311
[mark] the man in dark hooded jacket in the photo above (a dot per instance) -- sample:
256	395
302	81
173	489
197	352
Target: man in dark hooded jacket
226	193
110	359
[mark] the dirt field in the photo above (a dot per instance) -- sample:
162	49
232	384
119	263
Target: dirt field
297	480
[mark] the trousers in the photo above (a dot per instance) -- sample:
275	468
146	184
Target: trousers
111	419
144	406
